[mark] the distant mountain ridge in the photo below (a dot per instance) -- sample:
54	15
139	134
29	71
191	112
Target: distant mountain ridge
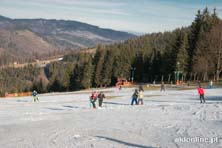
39	36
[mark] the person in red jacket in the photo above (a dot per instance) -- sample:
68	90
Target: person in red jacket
93	99
201	93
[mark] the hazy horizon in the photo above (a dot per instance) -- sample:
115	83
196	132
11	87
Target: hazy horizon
148	16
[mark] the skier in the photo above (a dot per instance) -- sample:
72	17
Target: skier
162	87
211	84
35	96
134	97
93	99
141	88
171	83
201	93
140	97
199	84
188	83
101	96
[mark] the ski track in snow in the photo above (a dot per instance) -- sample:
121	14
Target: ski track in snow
65	120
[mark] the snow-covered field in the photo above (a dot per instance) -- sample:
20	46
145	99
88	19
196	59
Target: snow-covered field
172	119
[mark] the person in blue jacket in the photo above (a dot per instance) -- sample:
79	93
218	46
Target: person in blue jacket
134	97
35	96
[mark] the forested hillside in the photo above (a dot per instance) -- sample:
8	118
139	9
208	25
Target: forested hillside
42	38
195	51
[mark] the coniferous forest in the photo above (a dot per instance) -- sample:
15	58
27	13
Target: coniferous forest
195	51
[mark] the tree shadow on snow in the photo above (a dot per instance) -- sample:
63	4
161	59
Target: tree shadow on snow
52	108
22	101
125	143
115	103
173	101
69	106
212	99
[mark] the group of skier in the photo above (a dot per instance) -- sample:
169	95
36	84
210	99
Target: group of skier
93	98
137	96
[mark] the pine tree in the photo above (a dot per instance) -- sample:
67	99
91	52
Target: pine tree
122	62
108	68
193	38
182	55
99	62
87	73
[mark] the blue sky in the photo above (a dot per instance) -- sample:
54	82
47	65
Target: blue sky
140	16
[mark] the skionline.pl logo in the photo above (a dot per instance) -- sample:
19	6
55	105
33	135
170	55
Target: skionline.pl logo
196	140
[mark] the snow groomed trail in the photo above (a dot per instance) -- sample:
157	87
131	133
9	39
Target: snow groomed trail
171	119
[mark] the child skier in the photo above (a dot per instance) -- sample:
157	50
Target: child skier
201	93
162	87
101	96
134	97
140	97
93	99
35	96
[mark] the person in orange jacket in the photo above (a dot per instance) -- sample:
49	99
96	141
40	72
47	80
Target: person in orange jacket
201	93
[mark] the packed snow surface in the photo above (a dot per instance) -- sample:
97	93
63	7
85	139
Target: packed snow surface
171	119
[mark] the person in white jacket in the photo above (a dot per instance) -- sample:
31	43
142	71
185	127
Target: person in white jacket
140	97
